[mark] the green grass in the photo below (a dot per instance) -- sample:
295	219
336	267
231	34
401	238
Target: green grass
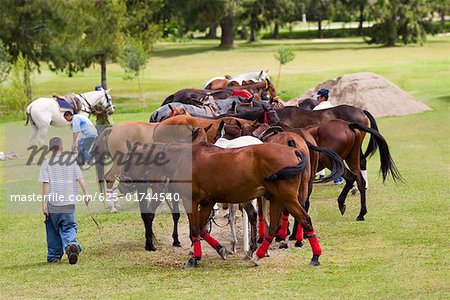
400	251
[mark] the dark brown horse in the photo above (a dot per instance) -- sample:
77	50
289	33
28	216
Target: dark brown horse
240	175
194	96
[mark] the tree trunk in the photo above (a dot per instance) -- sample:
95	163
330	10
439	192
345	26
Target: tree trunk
276	31
212	33
319	28
226	40
392	34
252	35
103	70
27	80
442	23
361	18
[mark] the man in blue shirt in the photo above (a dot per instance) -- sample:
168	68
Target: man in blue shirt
81	125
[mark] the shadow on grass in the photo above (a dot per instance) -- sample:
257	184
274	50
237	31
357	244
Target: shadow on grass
27	267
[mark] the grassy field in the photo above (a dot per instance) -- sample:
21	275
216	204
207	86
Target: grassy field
400	251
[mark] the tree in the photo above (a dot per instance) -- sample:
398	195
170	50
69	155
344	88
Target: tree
284	55
280	12
133	60
253	13
5	62
399	19
27	29
227	23
319	10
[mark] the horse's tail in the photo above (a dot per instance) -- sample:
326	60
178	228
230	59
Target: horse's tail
289	172
168	100
337	165
386	161
29	117
372	146
100	150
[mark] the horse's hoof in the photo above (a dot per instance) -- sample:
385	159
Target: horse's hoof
223	252
192	262
283	245
359	218
176	244
354	190
150	248
342	208
292	237
299	244
254	261
314	261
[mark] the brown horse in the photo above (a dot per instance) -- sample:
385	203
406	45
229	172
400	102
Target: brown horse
345	139
112	142
240	175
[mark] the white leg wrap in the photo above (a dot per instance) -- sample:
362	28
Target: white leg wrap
364	175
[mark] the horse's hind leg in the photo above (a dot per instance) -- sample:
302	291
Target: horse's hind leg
305	221
349	179
34	131
362	190
232	222
261	222
147	217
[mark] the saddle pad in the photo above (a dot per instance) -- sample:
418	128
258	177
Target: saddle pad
64	105
242	93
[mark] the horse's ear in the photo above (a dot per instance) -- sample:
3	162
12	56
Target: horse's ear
222	123
238	124
267	71
129	146
171	108
208	127
108	90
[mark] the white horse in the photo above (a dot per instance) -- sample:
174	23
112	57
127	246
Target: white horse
241	141
44	112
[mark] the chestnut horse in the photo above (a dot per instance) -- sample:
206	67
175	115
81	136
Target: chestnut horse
240	175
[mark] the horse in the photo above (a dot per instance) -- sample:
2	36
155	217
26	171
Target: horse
240	175
298	118
345	138
302	141
166	111
112	142
43	112
248	206
221	82
195	96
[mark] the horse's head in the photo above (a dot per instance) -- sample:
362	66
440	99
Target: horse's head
99	97
270	115
229	129
176	111
133	173
199	134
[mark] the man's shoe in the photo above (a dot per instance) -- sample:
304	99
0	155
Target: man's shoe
72	254
339	181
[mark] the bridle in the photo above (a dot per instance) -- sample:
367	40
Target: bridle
91	109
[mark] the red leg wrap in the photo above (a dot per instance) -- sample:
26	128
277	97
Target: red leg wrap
299	234
261	227
197	247
261	252
284	225
314	242
209	239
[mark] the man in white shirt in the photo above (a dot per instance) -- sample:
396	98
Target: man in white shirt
322	98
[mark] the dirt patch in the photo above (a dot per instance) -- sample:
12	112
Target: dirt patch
371	92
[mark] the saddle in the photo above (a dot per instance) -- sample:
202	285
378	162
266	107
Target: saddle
70	102
210	105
